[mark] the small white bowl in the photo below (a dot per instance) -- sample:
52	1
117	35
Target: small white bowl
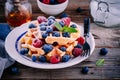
52	9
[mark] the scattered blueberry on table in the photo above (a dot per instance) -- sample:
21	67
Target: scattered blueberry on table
14	70
63	15
85	70
79	10
103	51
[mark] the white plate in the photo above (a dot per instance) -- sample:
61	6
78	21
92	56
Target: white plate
12	46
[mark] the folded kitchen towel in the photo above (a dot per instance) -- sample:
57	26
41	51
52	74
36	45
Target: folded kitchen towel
4	30
5	59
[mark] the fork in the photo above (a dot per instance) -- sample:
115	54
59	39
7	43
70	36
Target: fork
86	46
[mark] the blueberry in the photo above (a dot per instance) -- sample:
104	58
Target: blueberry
24	51
49	29
50	21
41	0
103	51
56	34
43	28
42	58
65	58
62	23
73	26
52	1
66	34
85	70
34	58
32	26
79	10
51	17
14	70
63	48
47	47
78	46
63	15
43	24
44	35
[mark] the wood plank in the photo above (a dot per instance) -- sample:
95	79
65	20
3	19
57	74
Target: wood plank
111	65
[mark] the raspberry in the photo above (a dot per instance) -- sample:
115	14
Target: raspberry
41	19
81	40
66	21
61	1
77	52
54	59
46	1
37	43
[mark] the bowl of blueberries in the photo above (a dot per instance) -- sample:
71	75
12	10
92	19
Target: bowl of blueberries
52	7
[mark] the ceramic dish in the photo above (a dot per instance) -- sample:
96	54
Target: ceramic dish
12	46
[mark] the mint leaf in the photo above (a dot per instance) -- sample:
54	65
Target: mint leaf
58	26
100	62
69	29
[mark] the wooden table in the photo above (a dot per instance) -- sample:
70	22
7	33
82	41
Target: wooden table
104	38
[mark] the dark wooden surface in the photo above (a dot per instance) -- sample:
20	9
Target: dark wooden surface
104	38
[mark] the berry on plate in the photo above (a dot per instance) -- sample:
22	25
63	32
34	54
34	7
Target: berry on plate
24	51
66	21
37	43
56	34
50	21
42	58
44	34
65	58
41	19
34	58
47	47
32	26
66	34
81	40
42	28
77	52
78	46
73	26
54	59
51	17
49	29
62	23
63	49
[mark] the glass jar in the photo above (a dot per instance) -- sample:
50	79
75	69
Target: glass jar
17	12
